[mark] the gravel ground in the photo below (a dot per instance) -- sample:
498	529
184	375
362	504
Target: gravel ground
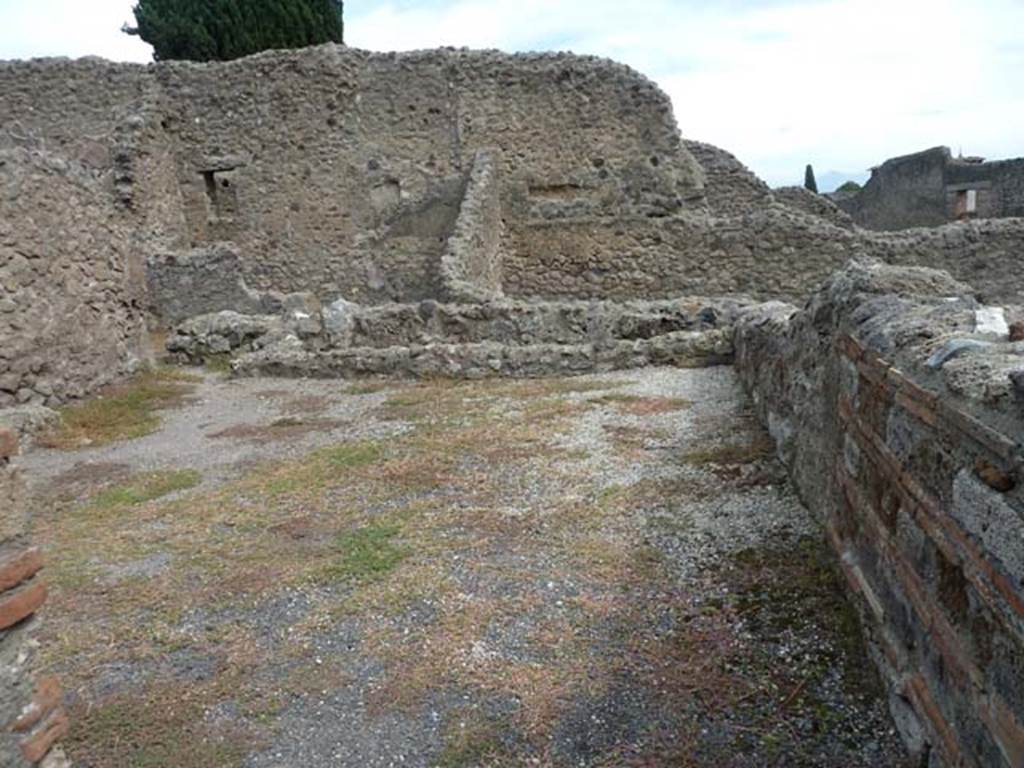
601	571
218	405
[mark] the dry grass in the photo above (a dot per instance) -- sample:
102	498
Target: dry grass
412	542
162	725
731	454
121	412
287	428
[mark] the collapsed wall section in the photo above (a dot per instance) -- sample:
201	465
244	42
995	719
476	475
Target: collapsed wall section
730	188
895	400
72	291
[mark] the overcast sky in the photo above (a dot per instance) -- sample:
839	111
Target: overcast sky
843	84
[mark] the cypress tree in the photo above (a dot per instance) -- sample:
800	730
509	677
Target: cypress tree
219	30
809	181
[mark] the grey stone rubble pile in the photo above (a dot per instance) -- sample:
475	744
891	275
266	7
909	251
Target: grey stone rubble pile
501	338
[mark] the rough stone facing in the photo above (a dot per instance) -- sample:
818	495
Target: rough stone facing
501	338
916	472
72	292
471	263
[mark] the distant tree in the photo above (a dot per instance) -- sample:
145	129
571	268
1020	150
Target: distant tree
849	186
809	182
219	30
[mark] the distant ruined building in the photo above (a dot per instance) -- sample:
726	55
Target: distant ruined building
932	187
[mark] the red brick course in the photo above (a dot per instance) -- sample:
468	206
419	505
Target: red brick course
19	567
18	604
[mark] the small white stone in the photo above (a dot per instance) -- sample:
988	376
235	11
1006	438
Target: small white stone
991	321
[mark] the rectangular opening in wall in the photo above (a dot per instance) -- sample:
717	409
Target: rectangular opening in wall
971	201
211	185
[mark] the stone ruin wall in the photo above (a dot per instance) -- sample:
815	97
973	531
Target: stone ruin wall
353	174
900	424
345	170
72	292
922	189
32	717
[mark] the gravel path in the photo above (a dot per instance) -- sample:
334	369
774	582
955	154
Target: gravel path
600	571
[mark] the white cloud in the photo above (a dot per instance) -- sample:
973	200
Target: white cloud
69	28
840	83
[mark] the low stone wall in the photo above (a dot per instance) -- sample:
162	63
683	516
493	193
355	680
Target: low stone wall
72	291
471	262
502	338
488	359
32	716
895	401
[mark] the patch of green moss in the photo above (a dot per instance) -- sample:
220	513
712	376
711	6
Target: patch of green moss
348	455
162	728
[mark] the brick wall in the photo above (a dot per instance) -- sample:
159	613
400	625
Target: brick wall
915	472
32	716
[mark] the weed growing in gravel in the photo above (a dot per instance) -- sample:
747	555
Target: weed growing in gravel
123	412
218	363
760	448
367	553
147	487
471	742
351	454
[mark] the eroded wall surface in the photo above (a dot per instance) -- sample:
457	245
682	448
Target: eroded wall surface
72	290
343	171
900	422
376	178
776	253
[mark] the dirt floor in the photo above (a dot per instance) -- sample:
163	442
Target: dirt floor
600	571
